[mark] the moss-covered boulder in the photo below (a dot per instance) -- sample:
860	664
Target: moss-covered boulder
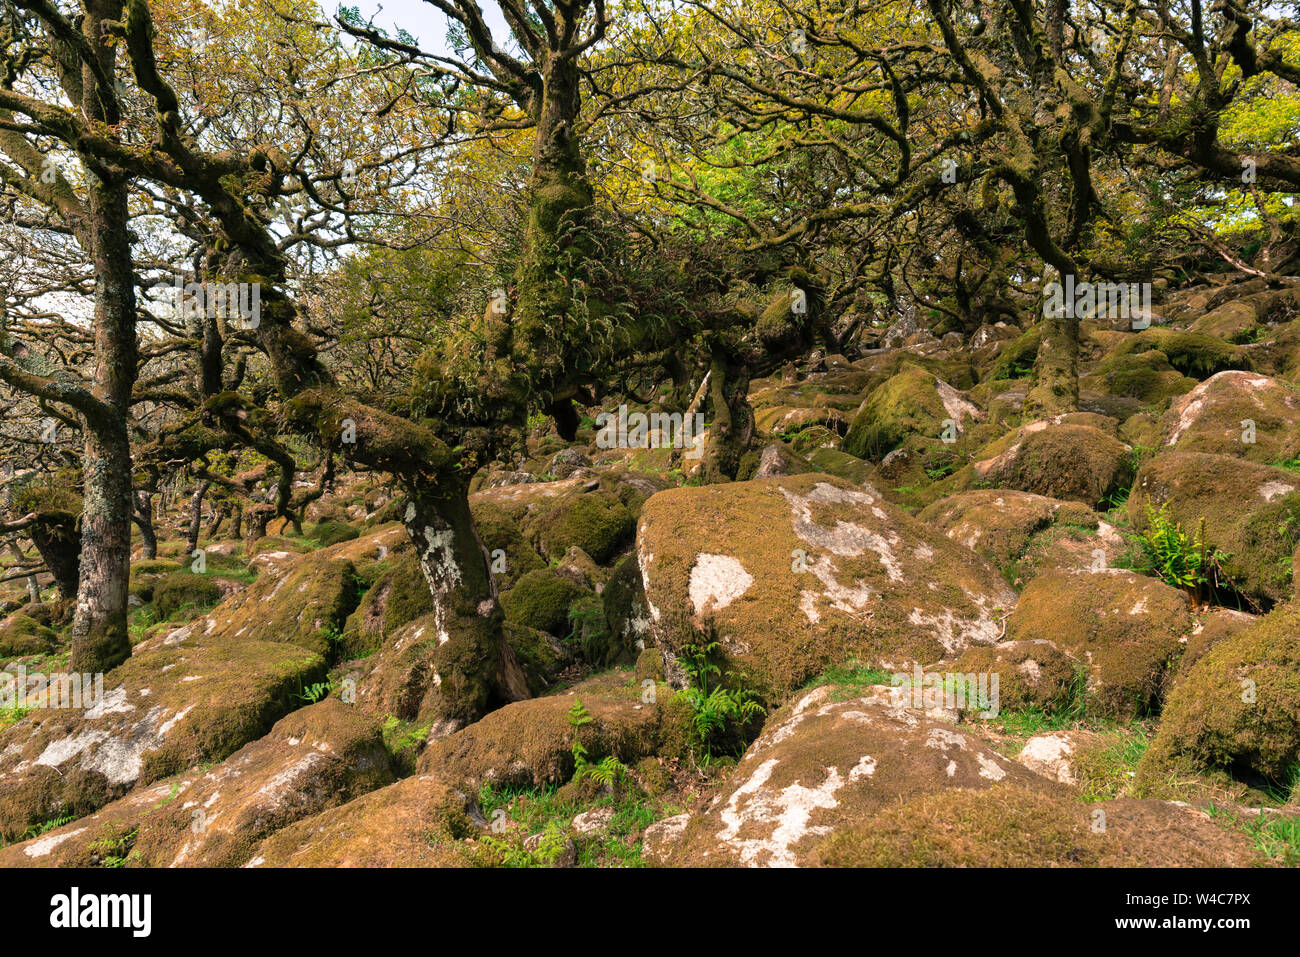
1242	414
1032	675
1147	376
1015	358
182	592
1125	628
777	458
277	543
434	685
182	698
318	757
627	621
1213	627
145	576
828	762
595	521
914	401
1014	825
1193	354
1023	534
399	594
511	555
530	743
332	533
840	464
542	599
20	635
1238	709
1251	514
789	423
794	574
1059	459
417	822
306	603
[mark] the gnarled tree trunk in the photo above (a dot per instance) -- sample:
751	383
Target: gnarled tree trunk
100	640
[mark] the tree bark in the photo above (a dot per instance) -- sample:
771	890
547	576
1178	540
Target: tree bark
100	640
732	426
55	536
456	565
196	517
143	517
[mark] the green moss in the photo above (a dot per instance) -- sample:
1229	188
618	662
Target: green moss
331	533
145	576
650	666
530	743
1191	353
1251	513
307	604
1066	461
1016	358
48	493
1238	709
597	522
1007	825
541	599
277	543
624	609
181	591
510	555
1125	628
20	635
906	403
840	464
536	653
400	594
1147	376
1032	675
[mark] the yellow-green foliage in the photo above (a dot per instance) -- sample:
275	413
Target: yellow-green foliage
1251	514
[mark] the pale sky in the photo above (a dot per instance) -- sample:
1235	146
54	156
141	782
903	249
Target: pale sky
421	20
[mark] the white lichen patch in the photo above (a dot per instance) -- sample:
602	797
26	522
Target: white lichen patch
1271	490
716	581
117	755
955	632
1048	755
956	405
845	539
43	846
787	812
